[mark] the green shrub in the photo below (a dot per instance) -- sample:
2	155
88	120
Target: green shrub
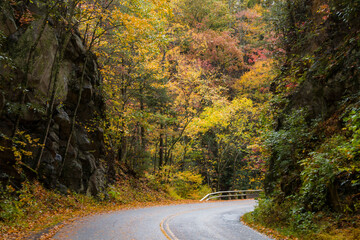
172	192
318	174
10	209
269	213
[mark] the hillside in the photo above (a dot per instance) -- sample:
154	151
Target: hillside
313	166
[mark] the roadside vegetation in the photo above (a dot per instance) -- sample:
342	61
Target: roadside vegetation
276	221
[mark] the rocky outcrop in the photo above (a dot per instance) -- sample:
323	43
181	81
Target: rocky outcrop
83	170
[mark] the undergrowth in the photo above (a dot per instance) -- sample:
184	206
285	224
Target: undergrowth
286	221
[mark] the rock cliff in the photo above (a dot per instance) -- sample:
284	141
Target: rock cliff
30	46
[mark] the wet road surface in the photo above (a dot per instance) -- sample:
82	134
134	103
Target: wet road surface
210	221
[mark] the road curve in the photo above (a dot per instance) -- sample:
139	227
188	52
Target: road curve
210	221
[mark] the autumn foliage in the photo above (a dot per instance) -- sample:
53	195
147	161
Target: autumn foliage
172	72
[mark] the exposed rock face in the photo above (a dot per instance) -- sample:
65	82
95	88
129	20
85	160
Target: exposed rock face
82	170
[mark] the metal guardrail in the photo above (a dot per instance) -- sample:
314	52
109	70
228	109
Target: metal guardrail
239	194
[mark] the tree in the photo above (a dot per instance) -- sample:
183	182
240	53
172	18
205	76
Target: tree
208	14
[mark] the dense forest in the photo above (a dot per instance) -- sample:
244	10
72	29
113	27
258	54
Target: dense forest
182	98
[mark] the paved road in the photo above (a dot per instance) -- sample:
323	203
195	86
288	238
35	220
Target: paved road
210	221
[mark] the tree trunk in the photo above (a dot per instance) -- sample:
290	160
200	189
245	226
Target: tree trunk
25	82
334	197
73	119
161	147
57	65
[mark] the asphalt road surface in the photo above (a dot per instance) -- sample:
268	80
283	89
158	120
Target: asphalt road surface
210	221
